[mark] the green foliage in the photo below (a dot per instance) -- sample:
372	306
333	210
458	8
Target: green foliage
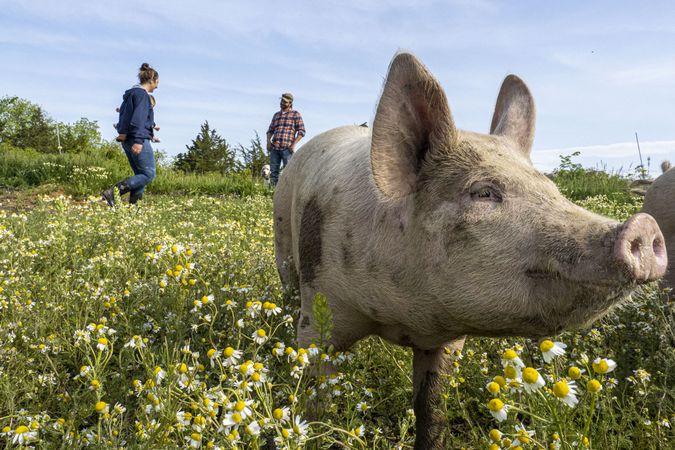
254	156
323	318
88	173
209	152
578	183
26	125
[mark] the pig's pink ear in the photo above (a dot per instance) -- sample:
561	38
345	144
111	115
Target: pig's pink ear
515	113
412	119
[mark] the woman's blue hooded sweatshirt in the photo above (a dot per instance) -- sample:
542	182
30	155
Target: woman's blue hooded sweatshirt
136	115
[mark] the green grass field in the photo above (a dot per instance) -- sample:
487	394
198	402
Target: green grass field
164	326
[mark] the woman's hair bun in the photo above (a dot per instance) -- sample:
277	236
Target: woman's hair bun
144	67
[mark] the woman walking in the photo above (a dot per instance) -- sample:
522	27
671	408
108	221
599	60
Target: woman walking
135	128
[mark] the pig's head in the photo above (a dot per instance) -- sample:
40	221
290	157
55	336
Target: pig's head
504	252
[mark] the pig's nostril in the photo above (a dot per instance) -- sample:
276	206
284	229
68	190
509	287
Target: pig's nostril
659	248
635	248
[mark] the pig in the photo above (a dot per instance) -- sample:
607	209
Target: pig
660	203
423	234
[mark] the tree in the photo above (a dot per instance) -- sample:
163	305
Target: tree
25	125
254	157
83	135
209	152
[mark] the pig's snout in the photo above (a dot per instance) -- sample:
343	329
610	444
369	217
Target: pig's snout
641	249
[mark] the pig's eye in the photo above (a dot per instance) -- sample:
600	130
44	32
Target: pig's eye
485	193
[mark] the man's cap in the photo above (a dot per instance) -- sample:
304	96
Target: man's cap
287	97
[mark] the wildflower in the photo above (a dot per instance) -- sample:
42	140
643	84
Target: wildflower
252	429
281	414
493	388
23	435
159	374
101	407
511	373
498	409
532	381
206	299
510	358
500	380
566	392
260	336
231	356
574	372
194	440
603	366
102	344
523	436
278	349
300	427
550	349
135	342
362	406
496	435
593	386
242	407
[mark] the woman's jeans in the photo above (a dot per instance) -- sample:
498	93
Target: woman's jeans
277	156
143	166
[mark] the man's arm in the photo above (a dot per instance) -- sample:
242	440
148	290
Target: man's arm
299	130
270	132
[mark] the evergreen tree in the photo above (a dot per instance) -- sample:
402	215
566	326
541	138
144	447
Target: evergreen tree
209	152
254	156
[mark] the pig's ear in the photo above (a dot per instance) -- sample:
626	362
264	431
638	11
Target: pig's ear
514	113
412	119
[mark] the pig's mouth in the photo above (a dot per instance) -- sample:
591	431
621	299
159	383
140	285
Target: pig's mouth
550	274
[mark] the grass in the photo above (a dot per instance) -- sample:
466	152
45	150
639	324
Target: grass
82	174
141	328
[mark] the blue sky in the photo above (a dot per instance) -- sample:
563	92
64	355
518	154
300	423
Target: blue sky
599	71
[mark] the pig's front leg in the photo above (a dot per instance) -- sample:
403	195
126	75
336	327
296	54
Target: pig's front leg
429	383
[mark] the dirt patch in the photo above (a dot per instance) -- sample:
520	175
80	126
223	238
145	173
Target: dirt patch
18	200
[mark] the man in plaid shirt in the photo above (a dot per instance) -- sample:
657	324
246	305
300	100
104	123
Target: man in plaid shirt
285	131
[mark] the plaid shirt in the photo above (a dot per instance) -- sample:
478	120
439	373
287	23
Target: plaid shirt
284	127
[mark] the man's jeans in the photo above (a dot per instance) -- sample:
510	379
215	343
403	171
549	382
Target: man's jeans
143	166
277	156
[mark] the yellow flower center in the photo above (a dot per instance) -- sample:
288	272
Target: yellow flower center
205	300
239	406
495	405
593	386
601	367
196	436
495	435
523	436
211	352
236	417
510	372
229	351
285	433
261	333
21	429
561	389
278	413
255	376
493	387
546	345
182	368
500	380
100	406
510	354
103	341
574	372
530	375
